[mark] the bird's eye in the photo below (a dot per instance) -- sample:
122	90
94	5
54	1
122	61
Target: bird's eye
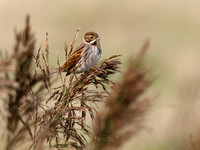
91	37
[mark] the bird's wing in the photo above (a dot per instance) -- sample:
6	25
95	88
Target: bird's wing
73	59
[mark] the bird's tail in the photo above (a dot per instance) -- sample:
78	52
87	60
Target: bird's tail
54	71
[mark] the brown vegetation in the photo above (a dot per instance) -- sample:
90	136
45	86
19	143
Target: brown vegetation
37	114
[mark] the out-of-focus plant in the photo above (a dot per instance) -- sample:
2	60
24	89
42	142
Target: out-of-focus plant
125	110
19	102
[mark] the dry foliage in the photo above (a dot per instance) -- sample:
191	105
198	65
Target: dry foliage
124	112
37	114
19	99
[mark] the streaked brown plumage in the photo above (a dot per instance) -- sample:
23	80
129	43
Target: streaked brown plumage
84	57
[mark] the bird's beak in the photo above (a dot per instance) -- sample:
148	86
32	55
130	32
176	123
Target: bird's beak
98	39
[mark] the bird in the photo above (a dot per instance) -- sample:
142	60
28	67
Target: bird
84	57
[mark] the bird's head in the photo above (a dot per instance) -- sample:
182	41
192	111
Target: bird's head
91	38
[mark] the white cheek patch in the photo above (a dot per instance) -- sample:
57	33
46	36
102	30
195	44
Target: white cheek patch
92	41
95	40
85	42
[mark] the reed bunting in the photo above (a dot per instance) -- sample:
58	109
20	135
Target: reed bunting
84	57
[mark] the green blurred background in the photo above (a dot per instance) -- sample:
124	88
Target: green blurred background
174	29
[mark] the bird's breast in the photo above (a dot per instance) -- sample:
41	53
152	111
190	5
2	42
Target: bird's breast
90	57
